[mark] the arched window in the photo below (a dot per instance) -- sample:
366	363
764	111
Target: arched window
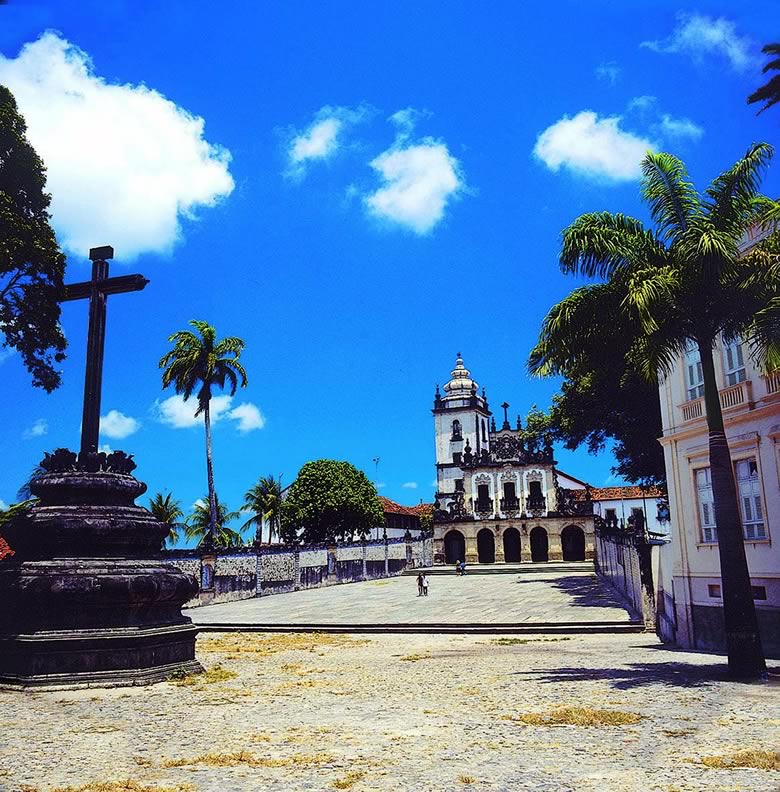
456	430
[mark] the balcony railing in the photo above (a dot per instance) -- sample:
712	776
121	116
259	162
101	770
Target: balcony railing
732	397
772	382
535	506
483	506
510	504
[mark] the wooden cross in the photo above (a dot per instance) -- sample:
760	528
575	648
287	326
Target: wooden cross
96	291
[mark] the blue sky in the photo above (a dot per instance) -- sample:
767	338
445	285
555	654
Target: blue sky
357	190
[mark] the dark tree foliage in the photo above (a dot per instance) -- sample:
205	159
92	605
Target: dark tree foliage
31	264
769	93
595	406
329	501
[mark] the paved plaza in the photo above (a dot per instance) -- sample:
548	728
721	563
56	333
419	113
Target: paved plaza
289	712
496	599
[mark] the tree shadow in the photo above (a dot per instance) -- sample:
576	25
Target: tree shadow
589	592
635	675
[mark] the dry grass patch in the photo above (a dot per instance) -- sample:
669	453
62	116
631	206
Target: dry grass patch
349	780
414	658
256	645
755	760
518	641
237	758
212	675
576	716
122	786
467	779
678	732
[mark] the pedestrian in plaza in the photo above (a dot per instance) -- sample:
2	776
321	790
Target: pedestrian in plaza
420	584
425	585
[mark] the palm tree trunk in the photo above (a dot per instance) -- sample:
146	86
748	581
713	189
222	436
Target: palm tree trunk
743	641
210	476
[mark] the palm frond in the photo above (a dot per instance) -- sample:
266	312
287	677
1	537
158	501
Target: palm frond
666	187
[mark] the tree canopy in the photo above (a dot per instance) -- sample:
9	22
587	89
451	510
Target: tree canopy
168	511
264	502
330	501
31	264
199	524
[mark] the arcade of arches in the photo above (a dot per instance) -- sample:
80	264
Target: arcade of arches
561	541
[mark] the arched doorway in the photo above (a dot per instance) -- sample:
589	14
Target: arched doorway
454	547
573	543
539	544
486	546
512	546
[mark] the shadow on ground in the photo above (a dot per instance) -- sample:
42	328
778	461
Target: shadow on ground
674	674
588	591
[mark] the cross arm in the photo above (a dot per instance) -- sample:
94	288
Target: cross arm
118	285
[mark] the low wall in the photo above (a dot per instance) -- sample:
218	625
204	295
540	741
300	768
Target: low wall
249	572
623	561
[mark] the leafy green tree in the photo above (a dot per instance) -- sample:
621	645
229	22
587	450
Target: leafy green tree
685	283
31	264
603	397
264	502
199	362
201	523
769	93
330	501
168	511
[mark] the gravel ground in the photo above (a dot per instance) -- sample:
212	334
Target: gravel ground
399	712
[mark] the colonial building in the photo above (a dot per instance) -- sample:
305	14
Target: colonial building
689	597
500	498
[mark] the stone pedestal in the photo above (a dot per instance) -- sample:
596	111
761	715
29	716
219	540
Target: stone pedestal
81	603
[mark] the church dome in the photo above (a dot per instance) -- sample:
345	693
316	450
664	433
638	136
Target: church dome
461	385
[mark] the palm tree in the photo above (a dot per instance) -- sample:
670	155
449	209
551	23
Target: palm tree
769	94
168	510
264	501
200	524
201	362
684	283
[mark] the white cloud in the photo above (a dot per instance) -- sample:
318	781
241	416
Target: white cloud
380	485
105	448
248	416
608	71
643	103
124	164
180	414
698	35
678	128
593	147
409	485
322	138
38	429
117	425
419	181
3	505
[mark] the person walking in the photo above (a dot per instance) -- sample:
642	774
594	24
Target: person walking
420	579
425	585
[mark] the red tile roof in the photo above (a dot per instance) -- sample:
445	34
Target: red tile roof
391	507
618	493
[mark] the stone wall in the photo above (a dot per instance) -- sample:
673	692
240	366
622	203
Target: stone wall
246	573
624	563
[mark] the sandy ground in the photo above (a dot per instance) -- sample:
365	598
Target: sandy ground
400	712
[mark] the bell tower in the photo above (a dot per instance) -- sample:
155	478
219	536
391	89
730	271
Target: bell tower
461	417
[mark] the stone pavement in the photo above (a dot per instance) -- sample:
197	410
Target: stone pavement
390	713
504	599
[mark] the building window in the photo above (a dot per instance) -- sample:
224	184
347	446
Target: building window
694	376
706	505
714	591
456	430
735	363
456	457
759	592
458	485
749	488
610	516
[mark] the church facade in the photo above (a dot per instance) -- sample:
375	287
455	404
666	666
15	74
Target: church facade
500	497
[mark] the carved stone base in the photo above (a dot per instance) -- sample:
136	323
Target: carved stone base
79	605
